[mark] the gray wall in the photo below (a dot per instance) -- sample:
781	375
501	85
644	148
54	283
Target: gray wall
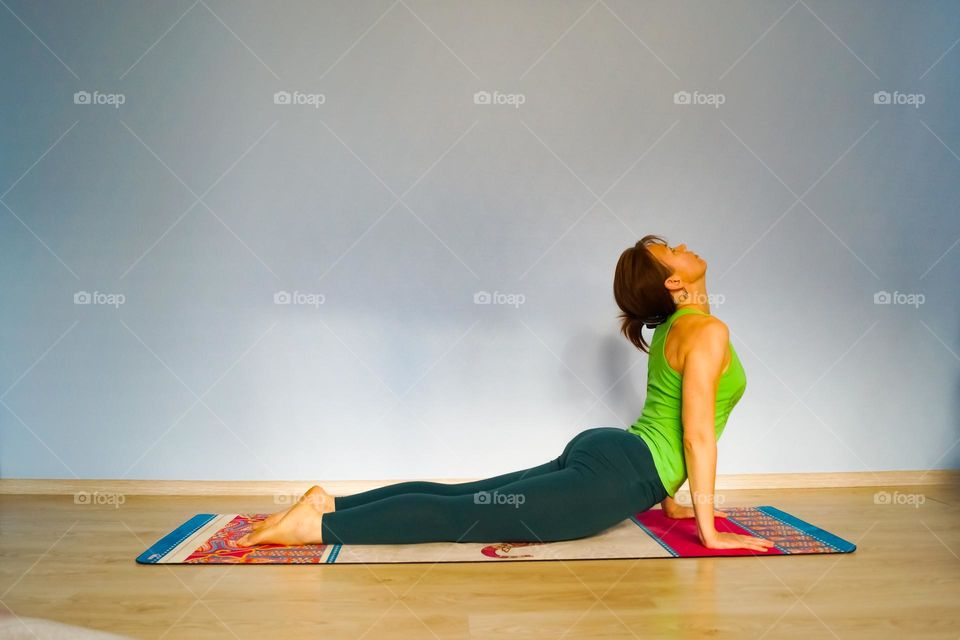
390	205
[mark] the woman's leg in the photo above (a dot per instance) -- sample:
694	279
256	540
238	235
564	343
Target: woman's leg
326	503
560	505
463	488
608	477
441	489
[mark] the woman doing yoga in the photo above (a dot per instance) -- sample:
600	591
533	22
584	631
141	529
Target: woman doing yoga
604	474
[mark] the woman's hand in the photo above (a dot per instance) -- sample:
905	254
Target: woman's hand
724	540
680	511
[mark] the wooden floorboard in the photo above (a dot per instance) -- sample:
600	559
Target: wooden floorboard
74	563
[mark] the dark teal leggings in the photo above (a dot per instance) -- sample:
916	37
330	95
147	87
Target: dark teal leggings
603	476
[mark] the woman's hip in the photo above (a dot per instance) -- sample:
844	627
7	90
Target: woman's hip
616	453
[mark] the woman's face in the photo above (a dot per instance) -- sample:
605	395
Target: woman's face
686	264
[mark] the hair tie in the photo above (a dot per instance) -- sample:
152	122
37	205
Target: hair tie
654	322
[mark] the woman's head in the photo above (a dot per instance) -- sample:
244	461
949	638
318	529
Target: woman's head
644	284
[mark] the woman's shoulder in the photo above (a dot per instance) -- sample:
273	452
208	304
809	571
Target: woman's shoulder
702	324
699	331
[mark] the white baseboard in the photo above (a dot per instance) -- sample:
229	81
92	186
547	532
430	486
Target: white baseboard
729	482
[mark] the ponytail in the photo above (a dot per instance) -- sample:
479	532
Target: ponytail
639	291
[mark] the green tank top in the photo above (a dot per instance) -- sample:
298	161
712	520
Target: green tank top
659	424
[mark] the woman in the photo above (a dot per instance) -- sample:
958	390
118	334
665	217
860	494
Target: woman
605	474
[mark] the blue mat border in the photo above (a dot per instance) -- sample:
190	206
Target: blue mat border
334	552
166	544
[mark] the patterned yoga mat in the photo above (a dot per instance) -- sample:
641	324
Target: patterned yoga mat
211	539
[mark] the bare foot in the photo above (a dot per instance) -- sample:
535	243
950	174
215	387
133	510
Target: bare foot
301	525
315	495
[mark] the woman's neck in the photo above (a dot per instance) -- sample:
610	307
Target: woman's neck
696	297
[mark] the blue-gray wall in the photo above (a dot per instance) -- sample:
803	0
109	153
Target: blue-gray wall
391	196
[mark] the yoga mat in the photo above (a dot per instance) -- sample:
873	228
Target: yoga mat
209	538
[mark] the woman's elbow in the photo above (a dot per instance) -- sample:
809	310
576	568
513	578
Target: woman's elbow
698	443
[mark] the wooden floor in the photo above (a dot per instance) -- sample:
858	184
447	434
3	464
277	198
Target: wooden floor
75	564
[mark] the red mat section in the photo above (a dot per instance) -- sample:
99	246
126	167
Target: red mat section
791	535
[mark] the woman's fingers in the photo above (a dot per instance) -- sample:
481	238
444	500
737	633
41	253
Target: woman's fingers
739	541
760	544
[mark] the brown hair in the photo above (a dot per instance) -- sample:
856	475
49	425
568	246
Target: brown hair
639	291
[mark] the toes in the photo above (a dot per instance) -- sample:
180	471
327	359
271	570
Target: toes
262	535
254	537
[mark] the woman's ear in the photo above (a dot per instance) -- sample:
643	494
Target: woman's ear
673	283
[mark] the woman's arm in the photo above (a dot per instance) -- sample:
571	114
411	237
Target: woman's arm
701	375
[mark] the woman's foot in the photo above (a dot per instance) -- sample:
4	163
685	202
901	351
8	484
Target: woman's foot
301	525
315	496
